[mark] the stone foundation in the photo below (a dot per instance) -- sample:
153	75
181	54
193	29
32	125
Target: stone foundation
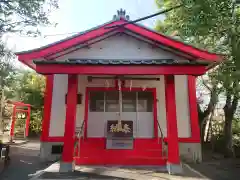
190	152
46	151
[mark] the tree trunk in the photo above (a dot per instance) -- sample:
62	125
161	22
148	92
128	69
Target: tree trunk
229	111
203	115
229	151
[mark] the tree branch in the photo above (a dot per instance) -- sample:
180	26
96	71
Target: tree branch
18	22
204	83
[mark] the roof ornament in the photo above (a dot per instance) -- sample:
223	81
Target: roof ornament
121	14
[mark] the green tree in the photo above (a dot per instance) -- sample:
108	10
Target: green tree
29	88
212	25
24	17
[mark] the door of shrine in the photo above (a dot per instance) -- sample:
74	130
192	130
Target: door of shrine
120	123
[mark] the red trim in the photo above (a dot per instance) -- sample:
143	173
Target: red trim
69	134
21	110
21	104
180	140
133	27
171	114
193	112
185	140
155	118
119	70
47	107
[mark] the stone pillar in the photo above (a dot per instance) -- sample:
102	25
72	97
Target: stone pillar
66	163
173	163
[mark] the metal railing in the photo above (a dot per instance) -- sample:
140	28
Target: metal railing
163	144
78	140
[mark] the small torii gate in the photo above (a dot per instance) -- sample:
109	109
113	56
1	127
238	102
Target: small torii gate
18	107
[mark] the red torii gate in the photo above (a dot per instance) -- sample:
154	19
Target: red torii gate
15	111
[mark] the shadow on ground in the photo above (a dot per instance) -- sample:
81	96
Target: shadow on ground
224	169
78	175
118	173
24	164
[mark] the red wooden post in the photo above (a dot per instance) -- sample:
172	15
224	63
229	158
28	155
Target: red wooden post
172	129
47	107
193	112
27	122
13	123
69	135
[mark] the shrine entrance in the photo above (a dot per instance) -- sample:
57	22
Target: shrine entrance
120	116
20	121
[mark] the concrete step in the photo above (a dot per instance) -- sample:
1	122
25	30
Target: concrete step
120	161
114	152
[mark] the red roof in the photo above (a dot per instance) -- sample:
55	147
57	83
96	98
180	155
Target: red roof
101	30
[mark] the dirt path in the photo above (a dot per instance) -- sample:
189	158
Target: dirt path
224	169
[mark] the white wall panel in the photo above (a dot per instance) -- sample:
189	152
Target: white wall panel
182	105
120	47
58	112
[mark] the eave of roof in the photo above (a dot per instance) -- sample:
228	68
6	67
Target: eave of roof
100	30
62	40
122	62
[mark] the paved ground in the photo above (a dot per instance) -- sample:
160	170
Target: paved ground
24	162
25	165
118	173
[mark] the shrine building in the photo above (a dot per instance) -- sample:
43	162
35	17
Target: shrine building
120	94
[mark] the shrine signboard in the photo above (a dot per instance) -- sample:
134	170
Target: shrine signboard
116	130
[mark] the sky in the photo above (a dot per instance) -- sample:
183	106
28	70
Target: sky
79	15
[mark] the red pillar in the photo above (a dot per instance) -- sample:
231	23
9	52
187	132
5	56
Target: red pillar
47	107
13	123
193	112
27	121
69	135
171	114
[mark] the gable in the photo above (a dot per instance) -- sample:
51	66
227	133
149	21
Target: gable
120	46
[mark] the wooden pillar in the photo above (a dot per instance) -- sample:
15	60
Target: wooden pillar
193	112
172	129
27	121
13	123
69	134
47	107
